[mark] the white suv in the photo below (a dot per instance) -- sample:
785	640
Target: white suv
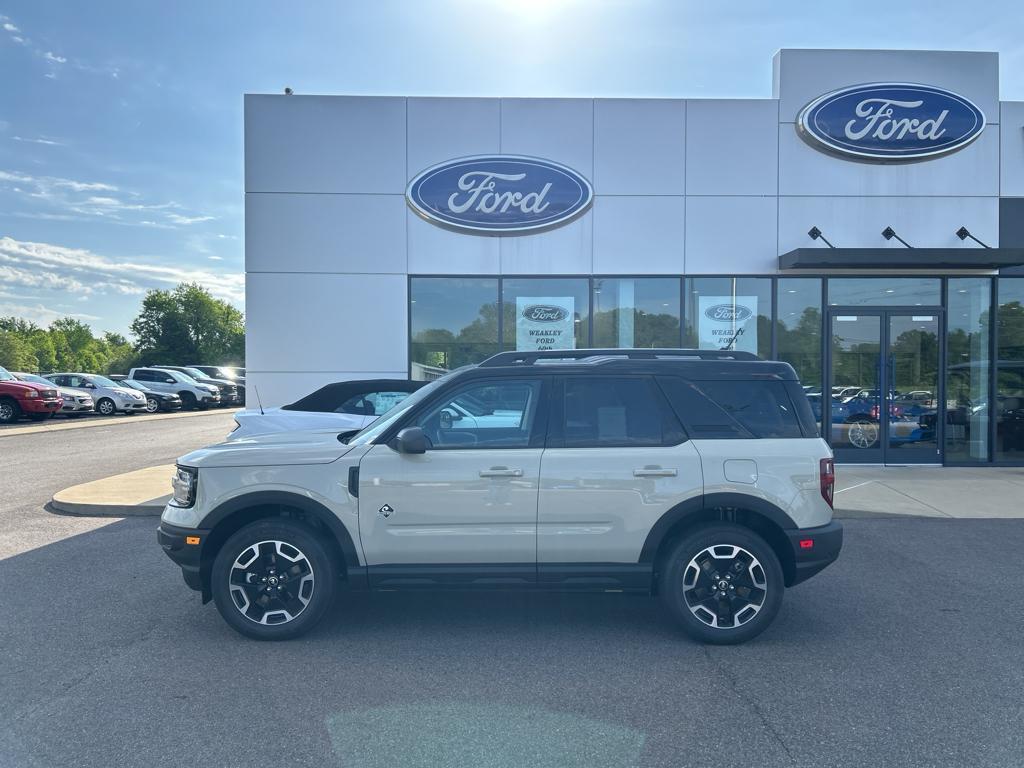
696	475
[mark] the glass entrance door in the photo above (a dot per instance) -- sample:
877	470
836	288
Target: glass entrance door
883	387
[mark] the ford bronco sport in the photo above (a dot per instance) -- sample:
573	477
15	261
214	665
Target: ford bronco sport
696	475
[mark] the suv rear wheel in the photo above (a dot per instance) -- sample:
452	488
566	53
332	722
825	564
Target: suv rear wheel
273	580
722	583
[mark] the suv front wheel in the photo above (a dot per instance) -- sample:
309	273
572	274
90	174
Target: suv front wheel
722	583
273	580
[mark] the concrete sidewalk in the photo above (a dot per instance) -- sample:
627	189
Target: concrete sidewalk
143	492
952	492
107	421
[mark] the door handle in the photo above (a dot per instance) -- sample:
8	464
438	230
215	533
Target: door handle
654	472
501	472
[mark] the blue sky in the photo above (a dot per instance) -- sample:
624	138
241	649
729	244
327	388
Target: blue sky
121	122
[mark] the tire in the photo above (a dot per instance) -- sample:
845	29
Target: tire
252	557
188	401
152	405
752	580
863	433
106	407
10	411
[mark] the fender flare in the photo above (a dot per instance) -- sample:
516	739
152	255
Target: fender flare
286	499
697	505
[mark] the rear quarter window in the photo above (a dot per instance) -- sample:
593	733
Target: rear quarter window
742	408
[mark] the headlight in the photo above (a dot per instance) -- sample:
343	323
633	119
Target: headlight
32	393
68	398
184	484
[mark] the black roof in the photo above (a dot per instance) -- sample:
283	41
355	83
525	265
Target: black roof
698	364
330	396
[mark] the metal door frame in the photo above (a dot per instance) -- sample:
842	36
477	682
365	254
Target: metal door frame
885	454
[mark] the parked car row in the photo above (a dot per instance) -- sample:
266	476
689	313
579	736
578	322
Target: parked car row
142	390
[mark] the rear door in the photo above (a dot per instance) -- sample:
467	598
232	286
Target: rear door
616	460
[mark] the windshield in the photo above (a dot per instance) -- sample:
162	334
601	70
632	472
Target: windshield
131	383
5	375
103	381
381	425
35	379
195	373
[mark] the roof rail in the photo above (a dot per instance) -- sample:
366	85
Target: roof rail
531	357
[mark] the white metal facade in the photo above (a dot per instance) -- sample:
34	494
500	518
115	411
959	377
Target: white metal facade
682	186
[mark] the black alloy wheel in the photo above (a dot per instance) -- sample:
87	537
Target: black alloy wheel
723	583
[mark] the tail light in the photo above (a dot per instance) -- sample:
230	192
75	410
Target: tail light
827	476
874	411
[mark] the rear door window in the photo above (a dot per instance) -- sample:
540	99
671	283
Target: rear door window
607	411
733	409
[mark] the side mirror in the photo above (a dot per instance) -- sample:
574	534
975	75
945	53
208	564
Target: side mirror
410	440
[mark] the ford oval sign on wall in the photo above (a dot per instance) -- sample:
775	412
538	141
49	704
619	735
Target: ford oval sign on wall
890	122
499	194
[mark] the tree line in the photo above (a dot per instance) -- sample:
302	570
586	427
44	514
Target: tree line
183	326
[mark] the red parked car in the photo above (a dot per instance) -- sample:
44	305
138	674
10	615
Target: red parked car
17	398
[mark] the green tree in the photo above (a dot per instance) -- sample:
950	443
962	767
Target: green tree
188	325
15	353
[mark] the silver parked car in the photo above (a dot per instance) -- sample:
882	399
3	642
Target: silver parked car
75	403
109	396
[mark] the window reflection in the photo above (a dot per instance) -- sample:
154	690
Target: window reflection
454	321
884	291
967	368
545	313
798	329
636	313
1010	371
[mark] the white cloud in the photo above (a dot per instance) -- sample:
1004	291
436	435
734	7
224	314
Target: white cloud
54	59
76	270
10	27
215	258
40	140
39	314
176	218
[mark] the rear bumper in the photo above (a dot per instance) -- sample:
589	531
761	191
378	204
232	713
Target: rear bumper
187	556
826	542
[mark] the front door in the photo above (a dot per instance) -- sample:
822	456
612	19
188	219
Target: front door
464	512
884	386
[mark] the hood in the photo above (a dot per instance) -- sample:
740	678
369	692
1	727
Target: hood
277	449
27	385
252	423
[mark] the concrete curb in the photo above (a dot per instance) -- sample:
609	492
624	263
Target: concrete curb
132	494
111	421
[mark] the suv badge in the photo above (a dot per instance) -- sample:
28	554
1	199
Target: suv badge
385	511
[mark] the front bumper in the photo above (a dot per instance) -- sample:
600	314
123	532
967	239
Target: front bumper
188	556
131	405
39	405
826	542
170	405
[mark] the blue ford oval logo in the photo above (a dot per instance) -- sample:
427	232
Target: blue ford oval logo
890	122
728	313
545	313
499	194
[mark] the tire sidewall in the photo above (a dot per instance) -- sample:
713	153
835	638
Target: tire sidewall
99	407
679	556
15	412
325	575
152	405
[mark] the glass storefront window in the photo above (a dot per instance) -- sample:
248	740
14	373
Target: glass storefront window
638	312
729	313
454	321
798	329
1009	405
968	309
545	313
884	291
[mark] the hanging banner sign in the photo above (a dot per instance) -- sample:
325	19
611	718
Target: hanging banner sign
545	322
725	323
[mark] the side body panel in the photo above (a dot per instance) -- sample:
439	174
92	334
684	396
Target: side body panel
783	472
597	505
449	506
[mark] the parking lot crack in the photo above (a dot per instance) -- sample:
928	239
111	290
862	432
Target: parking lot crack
734	687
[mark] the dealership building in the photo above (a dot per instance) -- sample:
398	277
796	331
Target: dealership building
865	224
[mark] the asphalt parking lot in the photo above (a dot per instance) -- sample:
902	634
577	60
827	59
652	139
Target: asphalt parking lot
907	652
